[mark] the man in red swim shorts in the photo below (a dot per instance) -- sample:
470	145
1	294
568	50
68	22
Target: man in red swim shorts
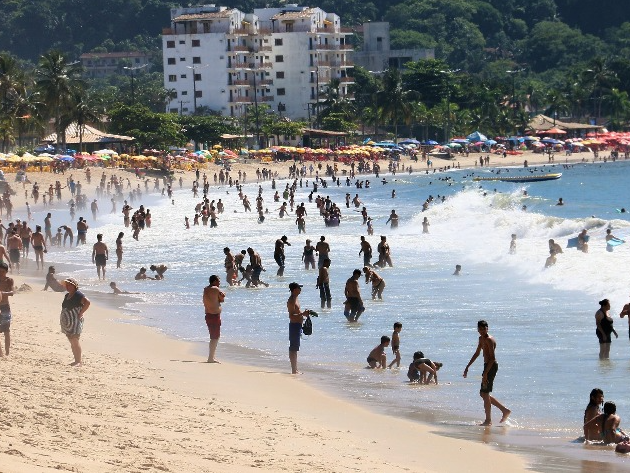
212	298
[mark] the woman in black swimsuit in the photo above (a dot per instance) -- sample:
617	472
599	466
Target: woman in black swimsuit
604	327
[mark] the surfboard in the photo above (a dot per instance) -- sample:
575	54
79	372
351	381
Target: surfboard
615	242
573	242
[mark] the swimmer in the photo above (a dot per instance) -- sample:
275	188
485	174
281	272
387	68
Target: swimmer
513	244
560	202
119	291
458	270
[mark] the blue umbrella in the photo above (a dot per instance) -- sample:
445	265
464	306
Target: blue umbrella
430	142
491	142
409	142
477	136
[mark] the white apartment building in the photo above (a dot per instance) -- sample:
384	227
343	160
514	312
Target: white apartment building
230	61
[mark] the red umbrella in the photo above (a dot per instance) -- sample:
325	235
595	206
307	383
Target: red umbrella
552	131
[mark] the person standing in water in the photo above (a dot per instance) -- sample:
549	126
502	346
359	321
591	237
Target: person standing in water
296	317
604	327
212	299
487	344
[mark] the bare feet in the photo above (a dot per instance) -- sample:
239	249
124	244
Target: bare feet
297	373
486	424
506	415
76	364
213	361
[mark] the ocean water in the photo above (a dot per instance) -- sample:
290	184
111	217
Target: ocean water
542	319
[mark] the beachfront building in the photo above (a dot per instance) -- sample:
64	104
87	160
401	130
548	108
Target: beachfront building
376	54
105	64
234	62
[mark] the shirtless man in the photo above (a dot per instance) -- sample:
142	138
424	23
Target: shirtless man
322	249
278	253
592	413
6	290
487	344
38	240
296	317
25	234
14	245
82	228
353	307
100	255
366	249
212	299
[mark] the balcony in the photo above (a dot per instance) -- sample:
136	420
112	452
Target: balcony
264	82
266	98
324	47
346	30
241	100
239	31
239	49
239	65
343	64
347	47
167	31
325	30
346	80
239	83
324	64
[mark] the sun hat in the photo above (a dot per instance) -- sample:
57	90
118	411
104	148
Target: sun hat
72	281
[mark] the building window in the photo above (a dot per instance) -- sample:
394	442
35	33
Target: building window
170	44
174	94
206	27
279	58
173	110
198	94
196	60
278	42
182	41
279	74
281	92
172	78
183	76
184	92
170	60
197	77
182	59
137	60
196	43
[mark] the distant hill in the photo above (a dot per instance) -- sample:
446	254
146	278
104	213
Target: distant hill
542	34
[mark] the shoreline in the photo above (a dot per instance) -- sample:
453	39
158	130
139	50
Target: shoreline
140	390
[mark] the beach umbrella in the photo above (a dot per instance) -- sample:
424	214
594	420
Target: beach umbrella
477	136
430	142
531	138
552	131
409	142
491	142
460	140
454	145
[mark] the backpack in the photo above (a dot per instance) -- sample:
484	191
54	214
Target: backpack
307	327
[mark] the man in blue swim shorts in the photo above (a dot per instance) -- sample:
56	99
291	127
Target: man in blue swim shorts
296	317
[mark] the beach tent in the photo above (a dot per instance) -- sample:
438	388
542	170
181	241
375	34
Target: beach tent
477	136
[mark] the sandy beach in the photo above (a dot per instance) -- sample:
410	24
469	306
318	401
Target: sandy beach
145	402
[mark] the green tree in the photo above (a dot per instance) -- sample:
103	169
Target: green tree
150	129
59	83
395	99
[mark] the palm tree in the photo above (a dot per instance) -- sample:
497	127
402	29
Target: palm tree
618	104
556	103
83	113
395	99
601	78
59	82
